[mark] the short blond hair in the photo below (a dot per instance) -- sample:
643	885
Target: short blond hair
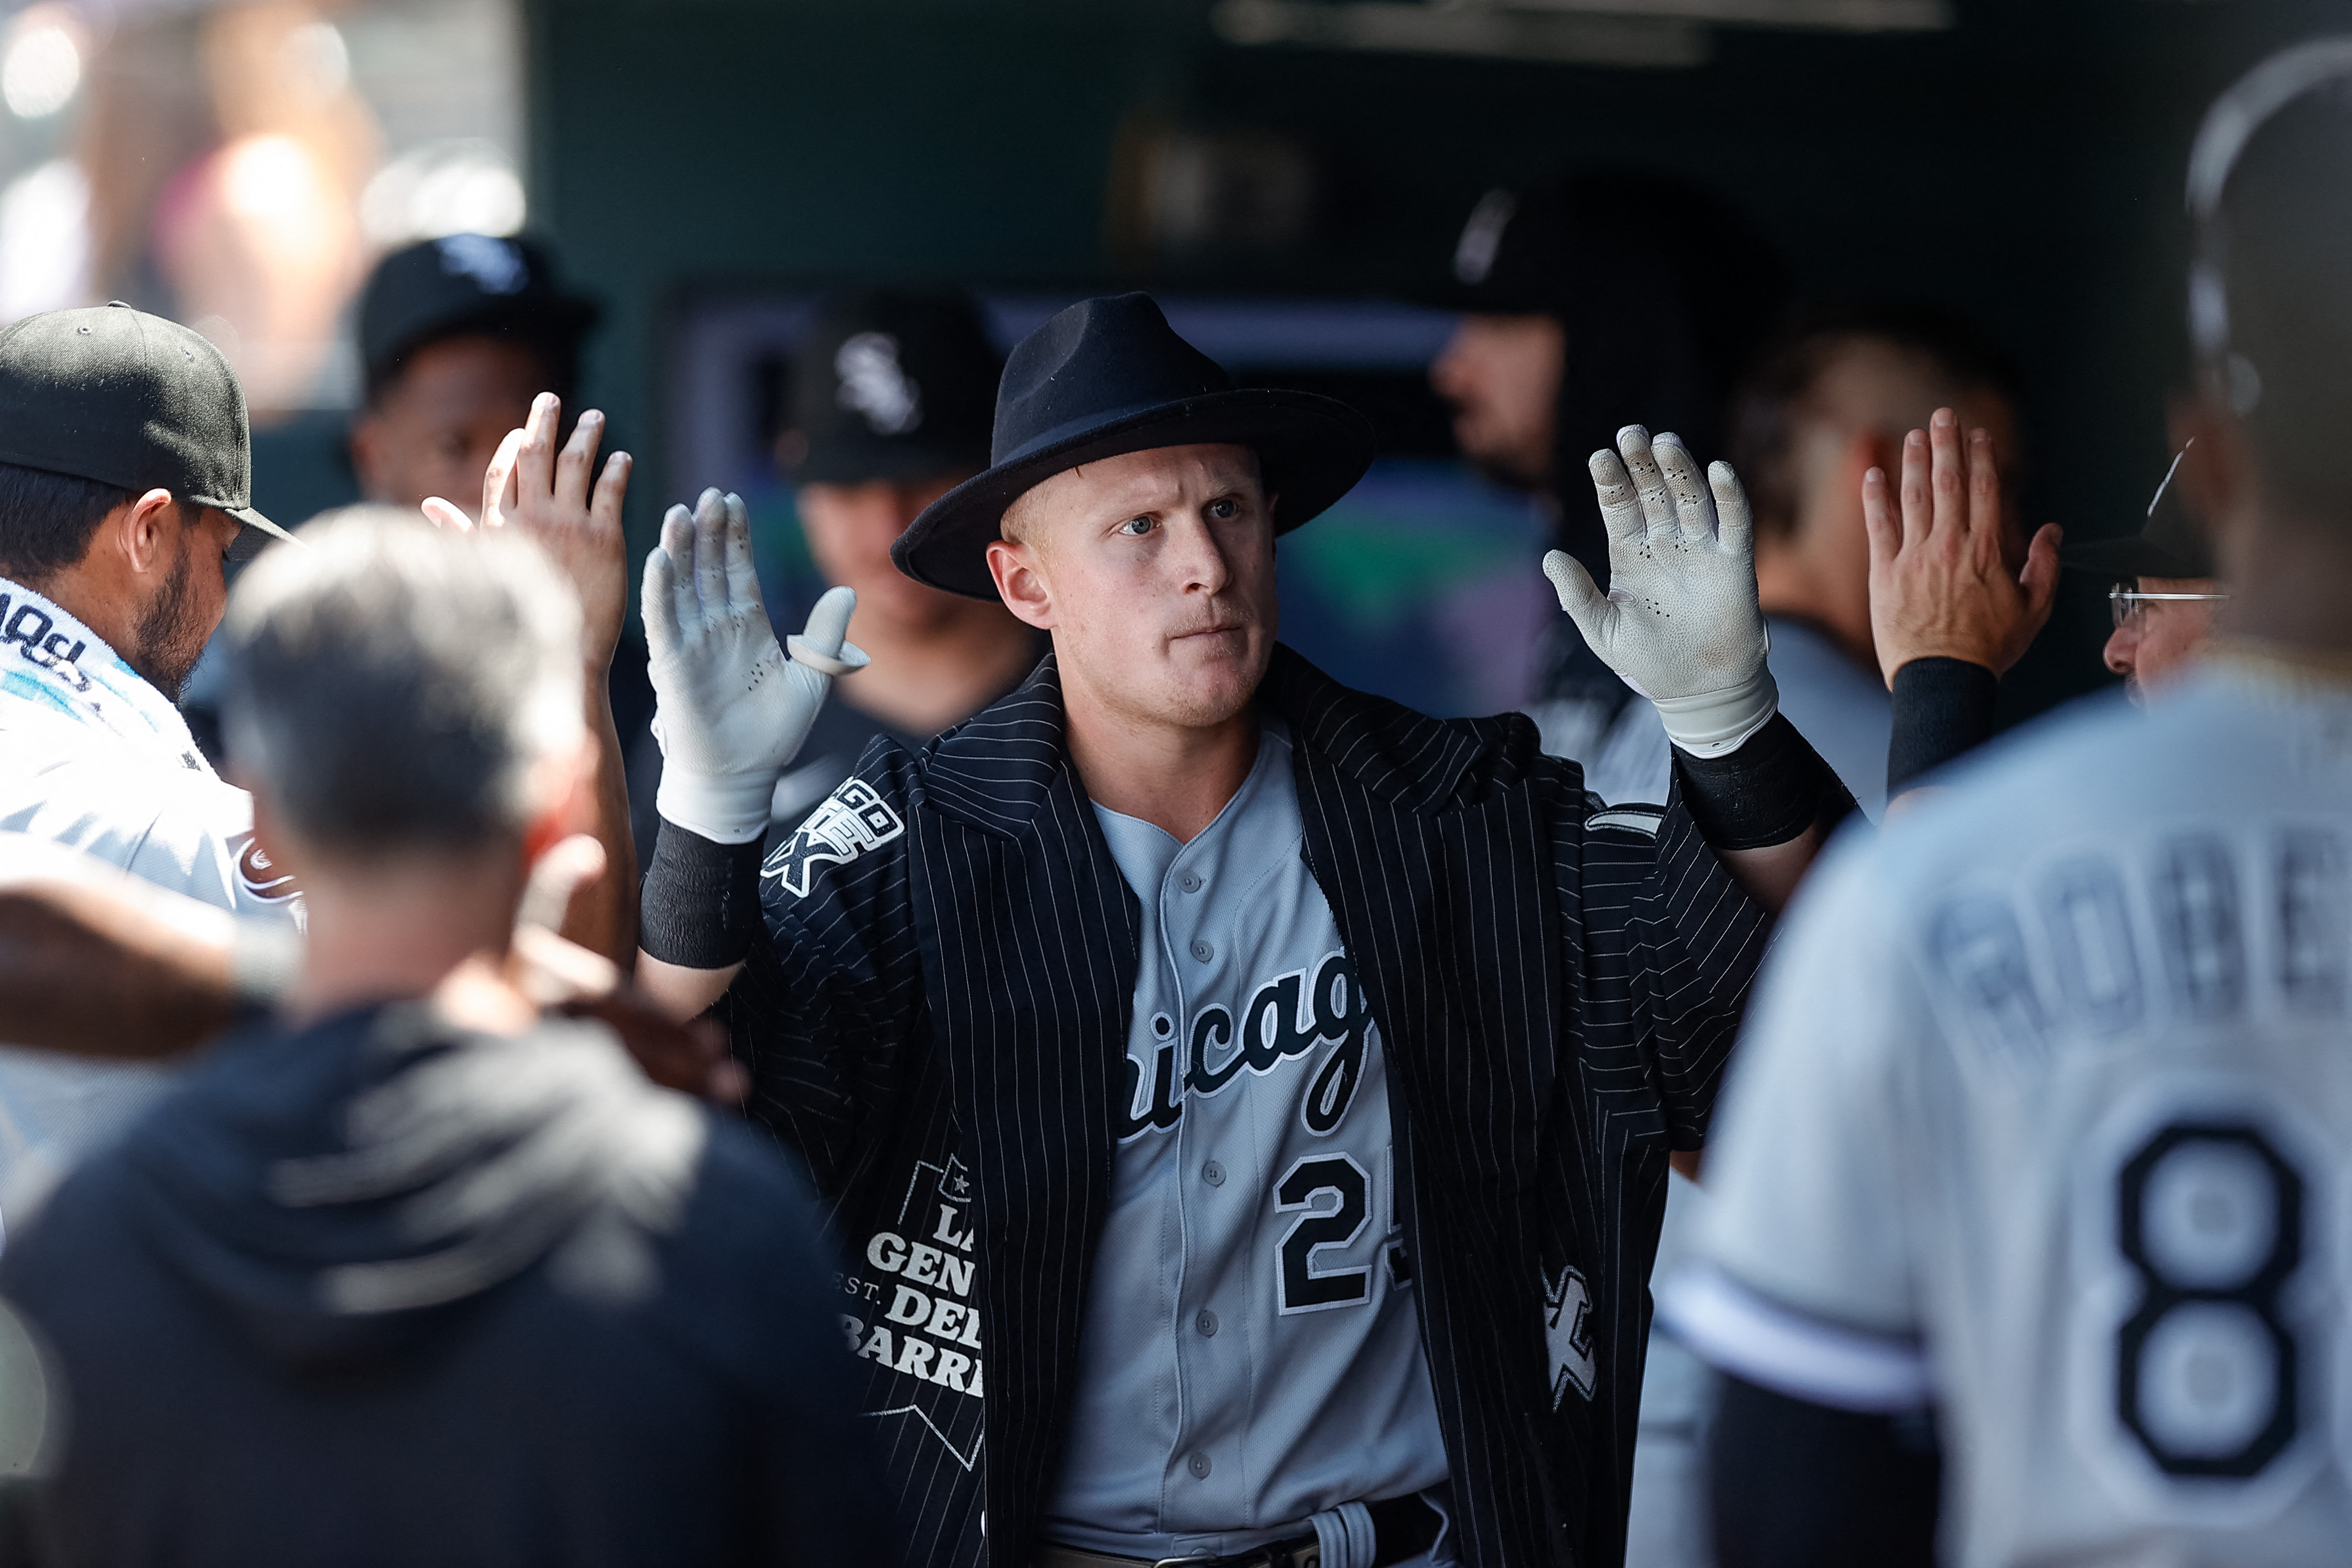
1019	522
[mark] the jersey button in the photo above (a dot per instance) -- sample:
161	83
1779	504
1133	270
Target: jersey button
1199	1464
1213	1174
1207	1323
1189	881
1203	951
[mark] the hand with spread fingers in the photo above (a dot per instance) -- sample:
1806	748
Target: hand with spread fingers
564	506
1938	586
733	707
1680	621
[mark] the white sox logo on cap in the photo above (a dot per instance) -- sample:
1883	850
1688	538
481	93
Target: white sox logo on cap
873	382
495	265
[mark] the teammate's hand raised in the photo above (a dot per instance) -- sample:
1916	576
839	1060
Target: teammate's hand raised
1680	621
567	509
1938	586
733	709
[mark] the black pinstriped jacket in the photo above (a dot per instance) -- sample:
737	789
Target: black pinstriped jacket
939	1025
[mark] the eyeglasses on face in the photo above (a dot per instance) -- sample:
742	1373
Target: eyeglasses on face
2129	604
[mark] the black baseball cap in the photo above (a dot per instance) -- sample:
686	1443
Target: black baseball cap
464	285
891	385
123	398
1515	254
2169	544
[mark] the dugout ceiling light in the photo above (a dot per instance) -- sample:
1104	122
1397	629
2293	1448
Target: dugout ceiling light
1635	32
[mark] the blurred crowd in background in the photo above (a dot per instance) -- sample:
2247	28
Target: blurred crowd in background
1298	197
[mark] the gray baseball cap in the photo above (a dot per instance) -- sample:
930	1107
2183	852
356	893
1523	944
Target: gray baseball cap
116	396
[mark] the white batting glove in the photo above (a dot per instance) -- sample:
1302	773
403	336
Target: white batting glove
733	709
1680	623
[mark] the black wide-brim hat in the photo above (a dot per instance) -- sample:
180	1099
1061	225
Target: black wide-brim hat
1107	377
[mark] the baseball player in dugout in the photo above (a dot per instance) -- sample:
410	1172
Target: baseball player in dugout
1244	1105
125	491
125	481
2038	1156
460	340
890	398
1570	318
456	337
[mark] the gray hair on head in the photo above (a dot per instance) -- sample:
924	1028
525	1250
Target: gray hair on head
392	687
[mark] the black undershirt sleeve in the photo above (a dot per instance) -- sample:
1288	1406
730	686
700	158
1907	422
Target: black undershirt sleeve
1797	1485
1765	793
701	906
1943	708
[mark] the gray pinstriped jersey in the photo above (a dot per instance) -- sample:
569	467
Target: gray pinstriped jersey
1251	1354
938	1025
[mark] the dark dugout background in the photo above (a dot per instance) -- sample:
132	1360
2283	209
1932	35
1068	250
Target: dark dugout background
2025	165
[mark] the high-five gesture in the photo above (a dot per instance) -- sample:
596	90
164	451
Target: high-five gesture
567	509
1680	621
1938	586
734	708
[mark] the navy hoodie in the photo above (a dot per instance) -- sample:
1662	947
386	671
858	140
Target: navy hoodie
385	1291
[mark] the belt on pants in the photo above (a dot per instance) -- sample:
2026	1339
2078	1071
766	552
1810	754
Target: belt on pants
1402	1527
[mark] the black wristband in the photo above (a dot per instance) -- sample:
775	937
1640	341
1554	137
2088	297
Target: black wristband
701	906
1765	793
1943	708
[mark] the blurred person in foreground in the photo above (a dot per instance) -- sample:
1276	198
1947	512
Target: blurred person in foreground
891	396
2041	1124
1575	320
414	1275
1246	1103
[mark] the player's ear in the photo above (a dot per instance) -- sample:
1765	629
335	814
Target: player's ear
143	533
1021	582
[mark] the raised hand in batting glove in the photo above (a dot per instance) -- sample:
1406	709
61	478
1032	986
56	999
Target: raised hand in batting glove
1680	623
733	707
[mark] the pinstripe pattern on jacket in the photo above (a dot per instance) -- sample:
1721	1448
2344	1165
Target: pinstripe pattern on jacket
937	1025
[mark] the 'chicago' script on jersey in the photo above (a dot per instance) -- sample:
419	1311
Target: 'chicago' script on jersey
1277	1025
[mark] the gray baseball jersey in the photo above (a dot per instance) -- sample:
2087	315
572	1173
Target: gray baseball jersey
2044	1117
1251	1356
93	758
